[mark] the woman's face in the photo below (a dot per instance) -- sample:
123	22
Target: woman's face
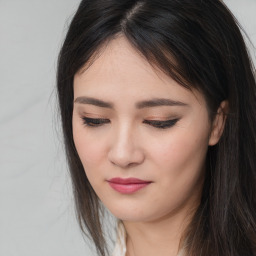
131	121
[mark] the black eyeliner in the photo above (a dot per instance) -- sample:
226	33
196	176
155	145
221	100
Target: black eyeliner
95	122
162	124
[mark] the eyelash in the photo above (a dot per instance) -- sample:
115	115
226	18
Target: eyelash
96	122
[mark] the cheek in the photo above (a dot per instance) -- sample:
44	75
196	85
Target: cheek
89	150
181	149
180	165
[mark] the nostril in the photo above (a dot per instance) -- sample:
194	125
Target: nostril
126	158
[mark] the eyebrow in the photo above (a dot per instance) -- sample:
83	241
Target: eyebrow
155	102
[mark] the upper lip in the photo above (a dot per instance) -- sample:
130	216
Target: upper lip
128	181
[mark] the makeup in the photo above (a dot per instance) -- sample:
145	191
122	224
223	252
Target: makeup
128	186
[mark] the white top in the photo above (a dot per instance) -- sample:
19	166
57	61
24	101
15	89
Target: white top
120	246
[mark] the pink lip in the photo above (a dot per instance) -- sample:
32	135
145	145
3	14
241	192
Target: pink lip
127	186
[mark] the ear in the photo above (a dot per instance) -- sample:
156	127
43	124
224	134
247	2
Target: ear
218	123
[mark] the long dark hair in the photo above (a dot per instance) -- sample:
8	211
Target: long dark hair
199	44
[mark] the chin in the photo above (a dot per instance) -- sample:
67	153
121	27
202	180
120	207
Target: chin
127	213
132	215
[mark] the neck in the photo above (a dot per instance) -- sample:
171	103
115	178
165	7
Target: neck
162	237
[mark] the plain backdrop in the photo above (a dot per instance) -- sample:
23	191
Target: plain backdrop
36	204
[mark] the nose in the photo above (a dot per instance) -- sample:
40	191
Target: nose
125	150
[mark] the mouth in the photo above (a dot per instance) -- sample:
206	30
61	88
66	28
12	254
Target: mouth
128	186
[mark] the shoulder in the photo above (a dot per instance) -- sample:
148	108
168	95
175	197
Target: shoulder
120	246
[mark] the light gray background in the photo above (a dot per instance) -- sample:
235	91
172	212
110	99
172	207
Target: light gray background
36	206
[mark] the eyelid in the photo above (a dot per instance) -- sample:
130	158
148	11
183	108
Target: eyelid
162	124
96	121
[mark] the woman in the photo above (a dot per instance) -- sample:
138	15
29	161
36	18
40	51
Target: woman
158	107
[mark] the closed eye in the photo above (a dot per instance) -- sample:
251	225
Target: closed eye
162	124
96	122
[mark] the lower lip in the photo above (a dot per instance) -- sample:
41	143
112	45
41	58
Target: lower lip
128	188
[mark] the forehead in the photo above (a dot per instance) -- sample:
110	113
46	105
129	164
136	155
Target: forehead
121	72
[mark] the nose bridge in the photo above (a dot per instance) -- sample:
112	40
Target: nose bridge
125	149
